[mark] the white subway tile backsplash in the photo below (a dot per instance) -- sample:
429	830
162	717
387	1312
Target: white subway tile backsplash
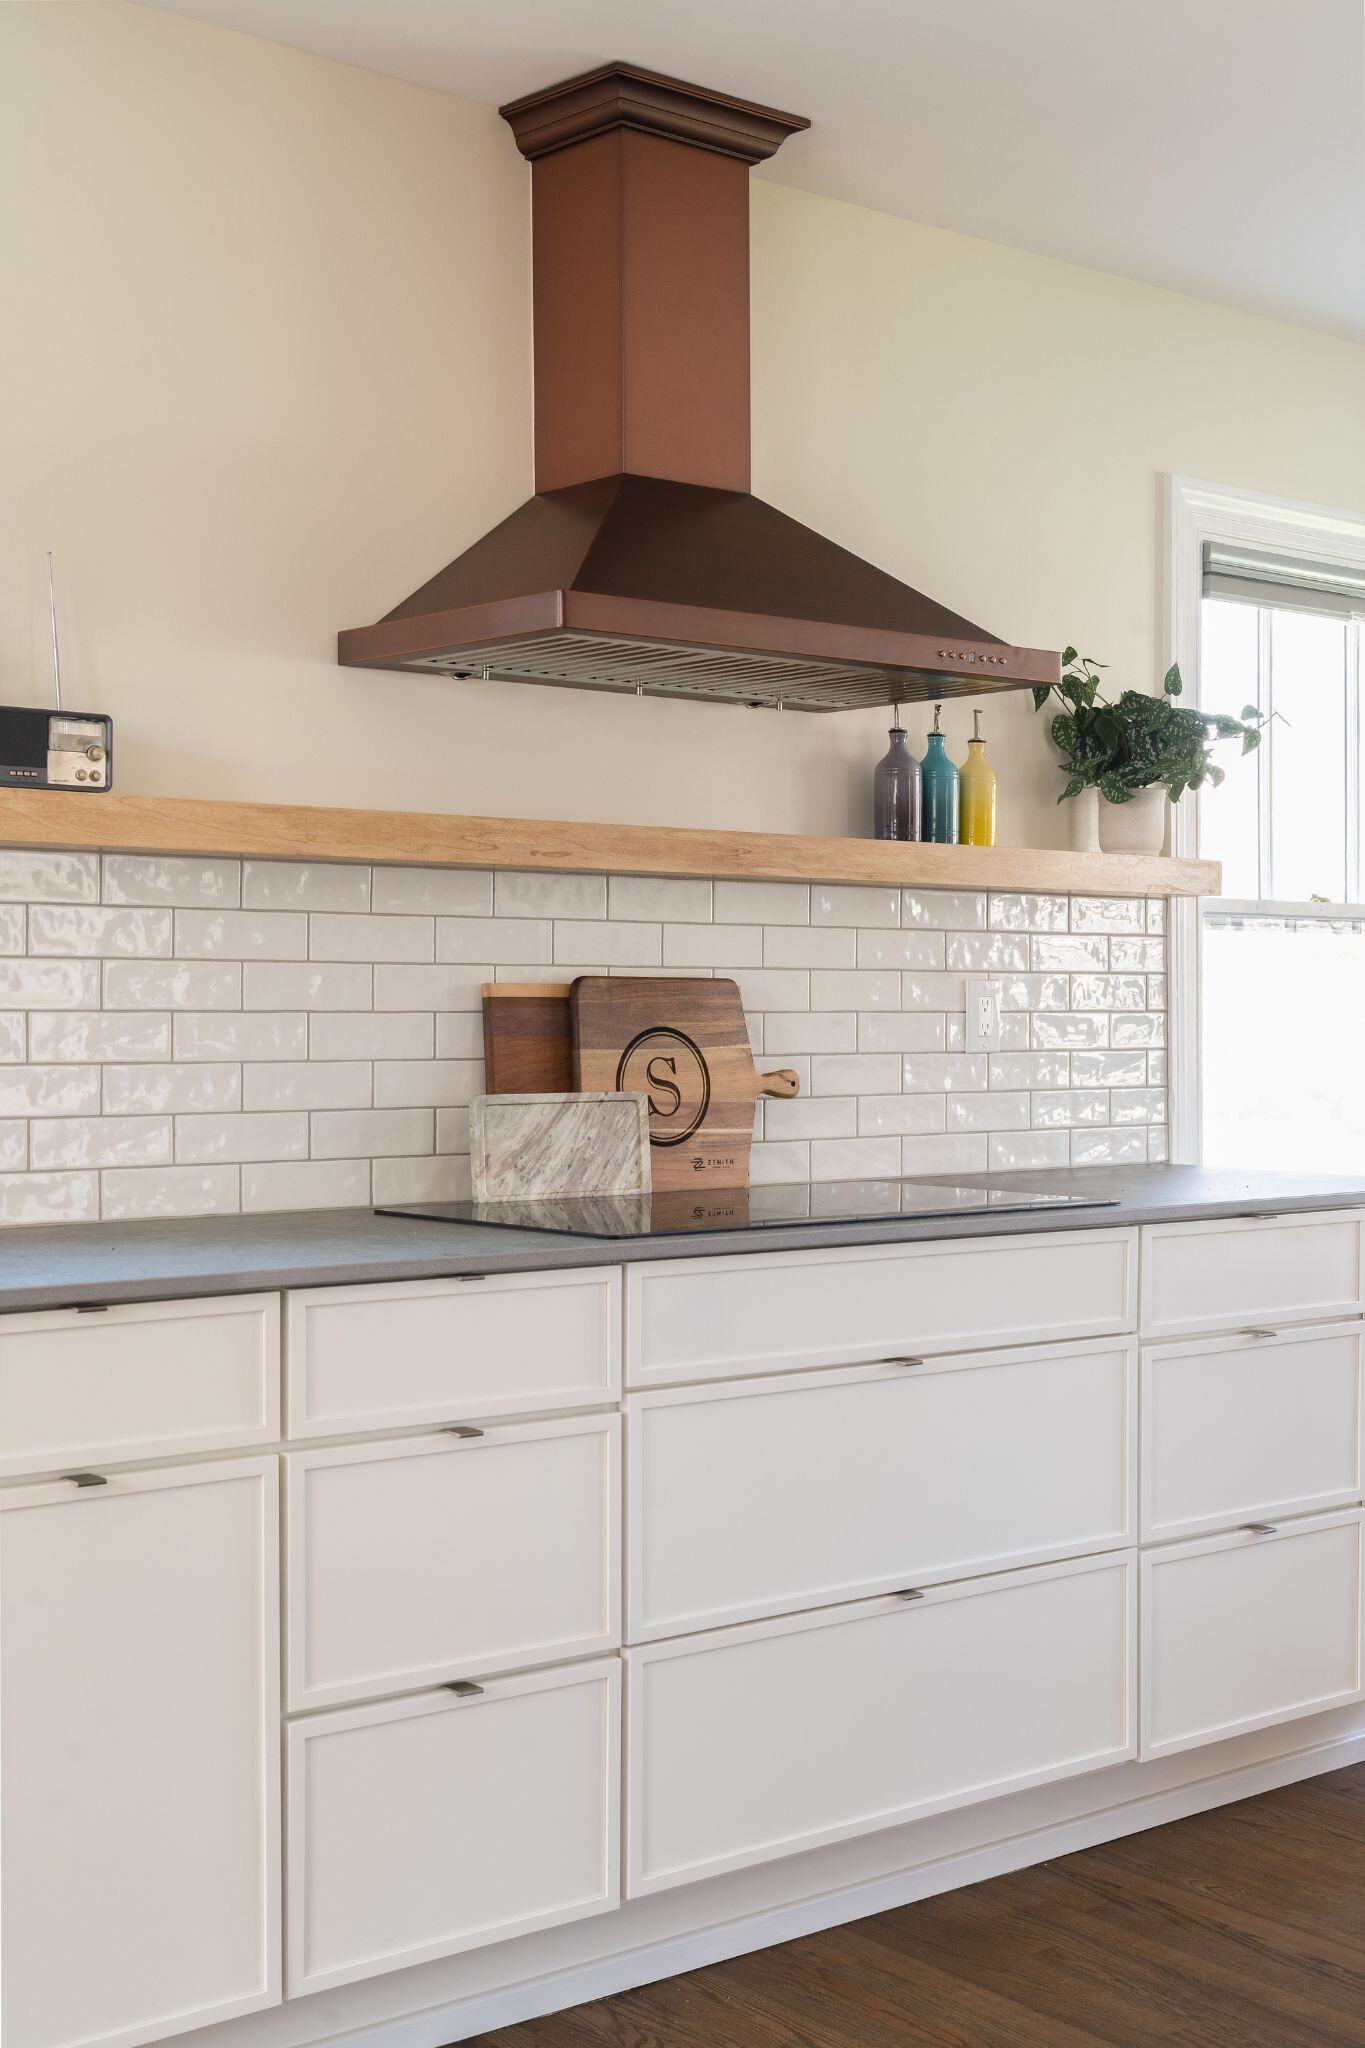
761	903
127	1193
1014	913
832	946
953	910
1156	1144
911	948
707	945
49	1091
306	1184
170	1087
352	1035
308	1084
433	892
469	939
240	1035
954	1152
99	1035
371	1133
345	935
659	899
619	945
241	935
414	1084
307	985
533	895
49	984
172	985
304	885
247	1135
71	928
1156	914
37	876
987	953
49	1198
316	1034
100	1141
448	987
155	879
855	905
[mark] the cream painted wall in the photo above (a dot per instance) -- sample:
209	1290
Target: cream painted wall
265	365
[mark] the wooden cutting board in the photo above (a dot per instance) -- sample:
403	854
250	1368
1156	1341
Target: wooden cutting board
527	1048
682	1042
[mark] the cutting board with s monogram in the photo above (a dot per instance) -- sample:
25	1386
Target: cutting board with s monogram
683	1043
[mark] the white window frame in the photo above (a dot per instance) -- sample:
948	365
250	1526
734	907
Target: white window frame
1195	513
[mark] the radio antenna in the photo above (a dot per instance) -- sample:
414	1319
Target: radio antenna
56	649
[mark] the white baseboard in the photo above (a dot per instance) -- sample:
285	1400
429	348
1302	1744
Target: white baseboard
603	1977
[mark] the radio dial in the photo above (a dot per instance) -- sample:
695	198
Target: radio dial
94	753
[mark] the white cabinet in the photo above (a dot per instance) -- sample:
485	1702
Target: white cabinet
758	1741
150	1379
777	1311
140	1754
1244	1270
363	1359
765	1495
444	1821
433	1557
1252	1425
1244	1630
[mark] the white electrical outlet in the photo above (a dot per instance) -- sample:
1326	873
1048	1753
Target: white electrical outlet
983	1015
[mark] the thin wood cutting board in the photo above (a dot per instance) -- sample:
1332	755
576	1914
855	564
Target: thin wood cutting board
684	1044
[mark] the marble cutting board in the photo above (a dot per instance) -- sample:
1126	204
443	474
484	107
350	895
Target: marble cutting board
526	1147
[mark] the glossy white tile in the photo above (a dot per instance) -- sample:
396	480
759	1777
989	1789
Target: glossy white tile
27	1090
304	885
76	928
659	899
307	1184
171	1086
952	910
247	1135
338	935
37	876
157	879
241	935
100	1141
439	892
855	905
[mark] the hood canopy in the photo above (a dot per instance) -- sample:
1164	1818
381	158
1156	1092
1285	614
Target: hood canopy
643	563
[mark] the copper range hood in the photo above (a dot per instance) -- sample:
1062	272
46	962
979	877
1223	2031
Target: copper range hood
643	563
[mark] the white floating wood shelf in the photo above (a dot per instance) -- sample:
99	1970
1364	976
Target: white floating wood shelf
190	825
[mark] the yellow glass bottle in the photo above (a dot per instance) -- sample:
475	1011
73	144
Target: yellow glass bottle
980	786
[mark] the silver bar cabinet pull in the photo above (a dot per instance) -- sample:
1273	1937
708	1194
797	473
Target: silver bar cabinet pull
87	1479
1258	1334
1260	1529
902	1361
459	1429
908	1593
464	1687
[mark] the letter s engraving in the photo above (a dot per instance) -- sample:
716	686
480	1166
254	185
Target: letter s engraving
661	1082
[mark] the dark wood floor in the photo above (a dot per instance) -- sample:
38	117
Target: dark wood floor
1243	1928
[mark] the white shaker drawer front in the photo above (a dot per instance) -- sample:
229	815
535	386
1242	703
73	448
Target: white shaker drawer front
368	1358
442	1822
142	1380
432	1557
759	1741
768	1495
1255	1425
1249	1629
711	1318
1246	1270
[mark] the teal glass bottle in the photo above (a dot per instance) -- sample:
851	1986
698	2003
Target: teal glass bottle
941	791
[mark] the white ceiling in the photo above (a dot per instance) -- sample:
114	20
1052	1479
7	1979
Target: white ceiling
1213	146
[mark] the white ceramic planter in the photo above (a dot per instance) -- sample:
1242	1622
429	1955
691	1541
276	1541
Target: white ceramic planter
1085	821
1139	826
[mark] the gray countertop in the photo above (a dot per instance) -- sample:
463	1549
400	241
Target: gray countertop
72	1264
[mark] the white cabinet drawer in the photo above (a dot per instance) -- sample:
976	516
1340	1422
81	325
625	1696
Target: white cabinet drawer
435	1557
1251	1269
710	1318
1239	1427
1244	1630
367	1358
773	1494
759	1741
142	1380
439	1823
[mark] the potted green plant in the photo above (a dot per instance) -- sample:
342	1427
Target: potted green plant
1124	758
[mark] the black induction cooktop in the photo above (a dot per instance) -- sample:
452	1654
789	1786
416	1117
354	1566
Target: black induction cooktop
679	1213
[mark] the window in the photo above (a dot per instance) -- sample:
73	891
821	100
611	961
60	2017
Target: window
1282	952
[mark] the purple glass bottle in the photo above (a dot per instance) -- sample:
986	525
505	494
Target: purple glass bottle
896	795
